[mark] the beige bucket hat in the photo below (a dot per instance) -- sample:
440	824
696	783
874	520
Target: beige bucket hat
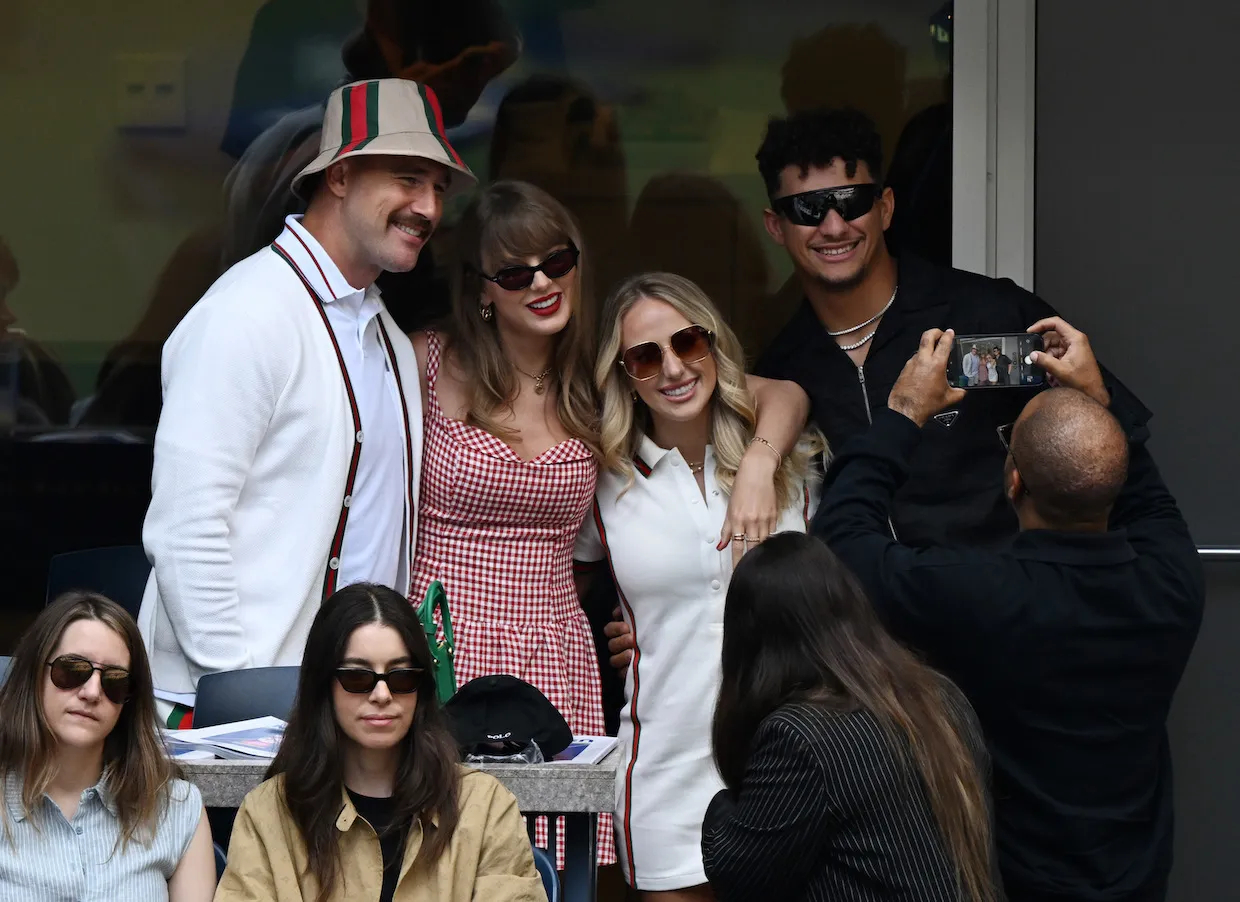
390	117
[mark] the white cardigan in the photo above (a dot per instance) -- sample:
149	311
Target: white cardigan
251	461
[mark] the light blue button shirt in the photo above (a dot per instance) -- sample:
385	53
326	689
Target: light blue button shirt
48	858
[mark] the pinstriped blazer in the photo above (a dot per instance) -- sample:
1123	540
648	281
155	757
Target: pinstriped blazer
826	813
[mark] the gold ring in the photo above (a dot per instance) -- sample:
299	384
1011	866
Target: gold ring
739	537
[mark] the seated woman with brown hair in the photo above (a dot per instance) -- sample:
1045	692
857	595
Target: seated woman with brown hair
93	807
366	800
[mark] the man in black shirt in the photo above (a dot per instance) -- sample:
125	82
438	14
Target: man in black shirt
1003	364
1069	642
864	313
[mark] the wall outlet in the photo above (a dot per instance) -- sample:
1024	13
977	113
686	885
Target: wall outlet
150	90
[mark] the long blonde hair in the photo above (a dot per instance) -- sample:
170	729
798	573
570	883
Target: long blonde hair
733	416
512	220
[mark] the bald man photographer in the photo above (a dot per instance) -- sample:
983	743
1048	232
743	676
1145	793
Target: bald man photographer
1069	642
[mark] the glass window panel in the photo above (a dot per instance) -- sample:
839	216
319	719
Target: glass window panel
150	146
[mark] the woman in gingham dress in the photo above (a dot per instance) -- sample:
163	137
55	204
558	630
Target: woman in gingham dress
509	460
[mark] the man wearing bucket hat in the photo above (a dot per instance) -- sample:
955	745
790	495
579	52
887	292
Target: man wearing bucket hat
292	413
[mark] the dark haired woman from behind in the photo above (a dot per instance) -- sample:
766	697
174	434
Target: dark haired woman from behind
93	807
853	771
366	800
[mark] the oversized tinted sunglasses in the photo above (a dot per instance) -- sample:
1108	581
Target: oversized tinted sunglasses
518	278
690	344
809	208
74	672
358	680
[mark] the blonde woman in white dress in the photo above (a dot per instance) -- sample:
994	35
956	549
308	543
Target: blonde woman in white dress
678	415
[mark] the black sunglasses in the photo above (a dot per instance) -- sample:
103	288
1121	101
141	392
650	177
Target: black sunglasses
810	208
74	672
518	278
358	680
690	344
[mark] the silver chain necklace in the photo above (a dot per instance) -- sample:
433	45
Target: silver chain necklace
860	326
857	344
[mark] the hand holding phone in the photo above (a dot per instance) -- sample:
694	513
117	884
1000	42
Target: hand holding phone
1068	358
922	389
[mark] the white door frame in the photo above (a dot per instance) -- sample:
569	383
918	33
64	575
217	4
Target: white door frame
994	47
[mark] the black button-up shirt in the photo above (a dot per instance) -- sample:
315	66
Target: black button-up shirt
954	493
1069	646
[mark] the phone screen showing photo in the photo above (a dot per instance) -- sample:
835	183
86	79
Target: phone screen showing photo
995	361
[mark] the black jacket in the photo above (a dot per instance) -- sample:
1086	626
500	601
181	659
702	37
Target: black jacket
954	492
1069	647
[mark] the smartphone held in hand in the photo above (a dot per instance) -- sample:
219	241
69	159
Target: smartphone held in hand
995	361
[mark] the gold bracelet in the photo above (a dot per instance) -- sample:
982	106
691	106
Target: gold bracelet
779	458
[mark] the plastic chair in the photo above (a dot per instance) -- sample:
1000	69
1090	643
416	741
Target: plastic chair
120	573
221	862
546	870
5	661
242	694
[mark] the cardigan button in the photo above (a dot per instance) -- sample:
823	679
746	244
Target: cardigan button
360	436
334	563
348	500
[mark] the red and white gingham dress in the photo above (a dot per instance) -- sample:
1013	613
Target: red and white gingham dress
498	532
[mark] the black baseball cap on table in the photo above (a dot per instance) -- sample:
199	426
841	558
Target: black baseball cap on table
501	710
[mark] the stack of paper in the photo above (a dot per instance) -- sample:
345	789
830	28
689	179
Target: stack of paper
586	750
258	738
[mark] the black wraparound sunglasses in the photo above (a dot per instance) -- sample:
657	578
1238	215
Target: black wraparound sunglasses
518	278
810	208
359	680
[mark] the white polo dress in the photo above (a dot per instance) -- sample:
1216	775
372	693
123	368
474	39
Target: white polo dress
659	539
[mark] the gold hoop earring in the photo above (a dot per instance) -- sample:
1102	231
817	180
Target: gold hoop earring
487	312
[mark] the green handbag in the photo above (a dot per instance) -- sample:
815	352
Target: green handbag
441	652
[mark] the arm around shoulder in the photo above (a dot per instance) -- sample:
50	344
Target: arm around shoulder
782	410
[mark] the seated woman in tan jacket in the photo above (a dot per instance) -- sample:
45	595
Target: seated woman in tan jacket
366	800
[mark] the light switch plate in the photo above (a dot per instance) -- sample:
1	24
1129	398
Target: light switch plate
150	90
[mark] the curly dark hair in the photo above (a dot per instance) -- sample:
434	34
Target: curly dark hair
815	138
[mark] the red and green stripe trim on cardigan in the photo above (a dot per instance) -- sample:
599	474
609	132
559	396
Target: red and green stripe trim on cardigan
359	119
329	581
180	718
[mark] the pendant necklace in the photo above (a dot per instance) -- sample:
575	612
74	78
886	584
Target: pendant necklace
539	378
